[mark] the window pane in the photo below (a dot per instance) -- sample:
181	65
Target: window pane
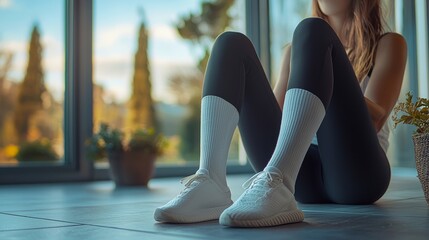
401	150
285	15
149	66
31	81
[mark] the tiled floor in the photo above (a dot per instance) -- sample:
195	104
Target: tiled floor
98	210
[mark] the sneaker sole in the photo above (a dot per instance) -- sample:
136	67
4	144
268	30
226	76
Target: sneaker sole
161	215
279	219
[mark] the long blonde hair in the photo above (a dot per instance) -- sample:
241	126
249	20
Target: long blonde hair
363	28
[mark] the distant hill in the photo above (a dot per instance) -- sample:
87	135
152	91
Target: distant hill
171	117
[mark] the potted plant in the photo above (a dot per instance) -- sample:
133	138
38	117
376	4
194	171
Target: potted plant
36	151
417	113
131	159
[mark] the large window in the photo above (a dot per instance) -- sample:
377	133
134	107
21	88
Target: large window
401	16
149	64
31	82
410	20
52	98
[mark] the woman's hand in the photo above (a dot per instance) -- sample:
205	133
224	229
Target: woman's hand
377	114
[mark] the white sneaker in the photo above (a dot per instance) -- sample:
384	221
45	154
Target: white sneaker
201	200
266	202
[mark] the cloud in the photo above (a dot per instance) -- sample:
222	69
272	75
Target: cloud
14	46
52	61
109	37
5	3
54	64
113	69
52	43
115	74
53	54
112	37
163	32
19	59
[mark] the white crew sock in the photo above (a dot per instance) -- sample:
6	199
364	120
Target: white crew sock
302	115
219	119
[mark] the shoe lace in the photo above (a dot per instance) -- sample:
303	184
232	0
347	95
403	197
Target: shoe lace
261	178
257	186
187	181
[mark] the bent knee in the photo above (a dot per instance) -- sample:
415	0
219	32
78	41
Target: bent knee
231	36
314	29
313	24
231	39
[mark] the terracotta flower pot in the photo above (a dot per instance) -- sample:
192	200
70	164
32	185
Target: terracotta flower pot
131	167
421	149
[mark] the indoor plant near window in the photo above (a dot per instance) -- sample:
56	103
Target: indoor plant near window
36	151
132	159
417	114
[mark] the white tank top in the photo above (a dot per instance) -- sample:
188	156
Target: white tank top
383	134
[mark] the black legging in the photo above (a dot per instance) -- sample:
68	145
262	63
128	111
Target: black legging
348	166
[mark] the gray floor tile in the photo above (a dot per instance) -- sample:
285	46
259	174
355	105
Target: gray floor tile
106	212
318	224
10	222
84	233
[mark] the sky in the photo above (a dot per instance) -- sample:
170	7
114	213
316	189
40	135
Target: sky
17	19
115	25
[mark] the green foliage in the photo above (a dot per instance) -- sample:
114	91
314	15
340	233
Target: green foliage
203	27
110	140
32	87
141	104
190	145
39	150
6	96
148	141
212	20
413	113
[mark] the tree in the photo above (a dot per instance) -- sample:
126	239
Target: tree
200	29
108	111
181	85
203	28
6	104
141	105
6	62
32	88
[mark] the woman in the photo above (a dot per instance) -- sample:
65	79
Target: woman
340	79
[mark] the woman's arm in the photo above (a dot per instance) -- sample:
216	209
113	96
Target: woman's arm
386	78
281	85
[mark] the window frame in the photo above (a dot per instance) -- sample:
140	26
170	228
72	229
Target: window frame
422	42
401	150
78	114
77	121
